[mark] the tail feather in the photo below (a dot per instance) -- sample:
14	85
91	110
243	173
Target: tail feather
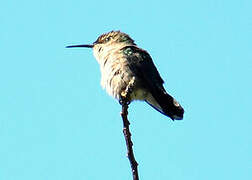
166	104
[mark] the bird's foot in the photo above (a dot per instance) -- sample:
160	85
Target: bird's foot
125	94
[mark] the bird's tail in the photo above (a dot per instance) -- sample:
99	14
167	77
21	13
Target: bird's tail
166	104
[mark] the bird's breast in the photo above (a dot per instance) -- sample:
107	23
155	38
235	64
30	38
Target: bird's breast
116	74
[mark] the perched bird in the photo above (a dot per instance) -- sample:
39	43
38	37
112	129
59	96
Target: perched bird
121	63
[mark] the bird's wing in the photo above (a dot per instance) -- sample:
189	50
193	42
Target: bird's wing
143	66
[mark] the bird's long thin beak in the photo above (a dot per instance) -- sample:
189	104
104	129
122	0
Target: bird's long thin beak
82	45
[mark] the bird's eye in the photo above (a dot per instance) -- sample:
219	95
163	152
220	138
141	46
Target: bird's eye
107	39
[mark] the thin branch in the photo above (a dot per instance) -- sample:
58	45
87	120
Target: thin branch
124	101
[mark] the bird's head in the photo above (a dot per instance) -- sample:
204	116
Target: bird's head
107	43
112	38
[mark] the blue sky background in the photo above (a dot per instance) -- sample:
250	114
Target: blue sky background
56	122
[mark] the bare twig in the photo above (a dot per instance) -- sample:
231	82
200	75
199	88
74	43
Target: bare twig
125	101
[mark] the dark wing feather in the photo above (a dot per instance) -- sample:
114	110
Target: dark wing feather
143	67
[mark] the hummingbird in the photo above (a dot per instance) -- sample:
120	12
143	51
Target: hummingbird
121	62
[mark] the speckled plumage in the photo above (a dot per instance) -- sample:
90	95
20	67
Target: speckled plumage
114	65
